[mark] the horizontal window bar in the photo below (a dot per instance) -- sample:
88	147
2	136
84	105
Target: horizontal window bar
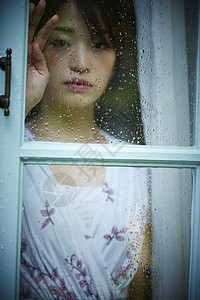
113	155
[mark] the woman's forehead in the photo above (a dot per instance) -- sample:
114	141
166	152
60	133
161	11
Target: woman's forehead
71	21
70	17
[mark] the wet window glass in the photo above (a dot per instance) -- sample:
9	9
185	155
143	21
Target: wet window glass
122	68
105	232
110	72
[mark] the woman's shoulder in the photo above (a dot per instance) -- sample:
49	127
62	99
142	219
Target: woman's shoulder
109	138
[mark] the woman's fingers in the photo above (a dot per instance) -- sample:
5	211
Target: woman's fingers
31	10
35	17
39	61
45	31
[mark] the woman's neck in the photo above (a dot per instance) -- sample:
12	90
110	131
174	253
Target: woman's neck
65	125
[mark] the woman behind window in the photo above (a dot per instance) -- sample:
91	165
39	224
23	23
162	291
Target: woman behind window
87	244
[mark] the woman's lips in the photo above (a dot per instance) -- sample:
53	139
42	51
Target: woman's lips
78	85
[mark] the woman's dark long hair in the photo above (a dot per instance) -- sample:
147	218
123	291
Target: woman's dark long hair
118	111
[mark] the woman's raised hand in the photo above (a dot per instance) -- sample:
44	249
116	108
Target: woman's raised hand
37	71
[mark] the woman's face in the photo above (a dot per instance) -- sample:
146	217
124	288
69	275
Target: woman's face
80	66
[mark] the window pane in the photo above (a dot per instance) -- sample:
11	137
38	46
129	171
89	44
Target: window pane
167	31
105	232
91	56
127	71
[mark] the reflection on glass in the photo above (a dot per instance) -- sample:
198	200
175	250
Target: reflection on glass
97	70
105	232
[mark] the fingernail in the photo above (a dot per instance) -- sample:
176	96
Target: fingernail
55	18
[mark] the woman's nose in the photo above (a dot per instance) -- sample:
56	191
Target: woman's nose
80	59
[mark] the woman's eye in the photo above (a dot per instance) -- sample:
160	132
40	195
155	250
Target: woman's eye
59	43
100	46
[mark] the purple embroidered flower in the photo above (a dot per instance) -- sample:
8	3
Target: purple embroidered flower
84	272
123	273
119	272
39	277
88	293
69	296
47	213
108	191
79	264
58	288
82	283
78	276
73	257
81	274
54	290
115	234
87	237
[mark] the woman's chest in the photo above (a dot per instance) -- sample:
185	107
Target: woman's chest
78	175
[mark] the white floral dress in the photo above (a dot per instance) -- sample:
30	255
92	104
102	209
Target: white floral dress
81	242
